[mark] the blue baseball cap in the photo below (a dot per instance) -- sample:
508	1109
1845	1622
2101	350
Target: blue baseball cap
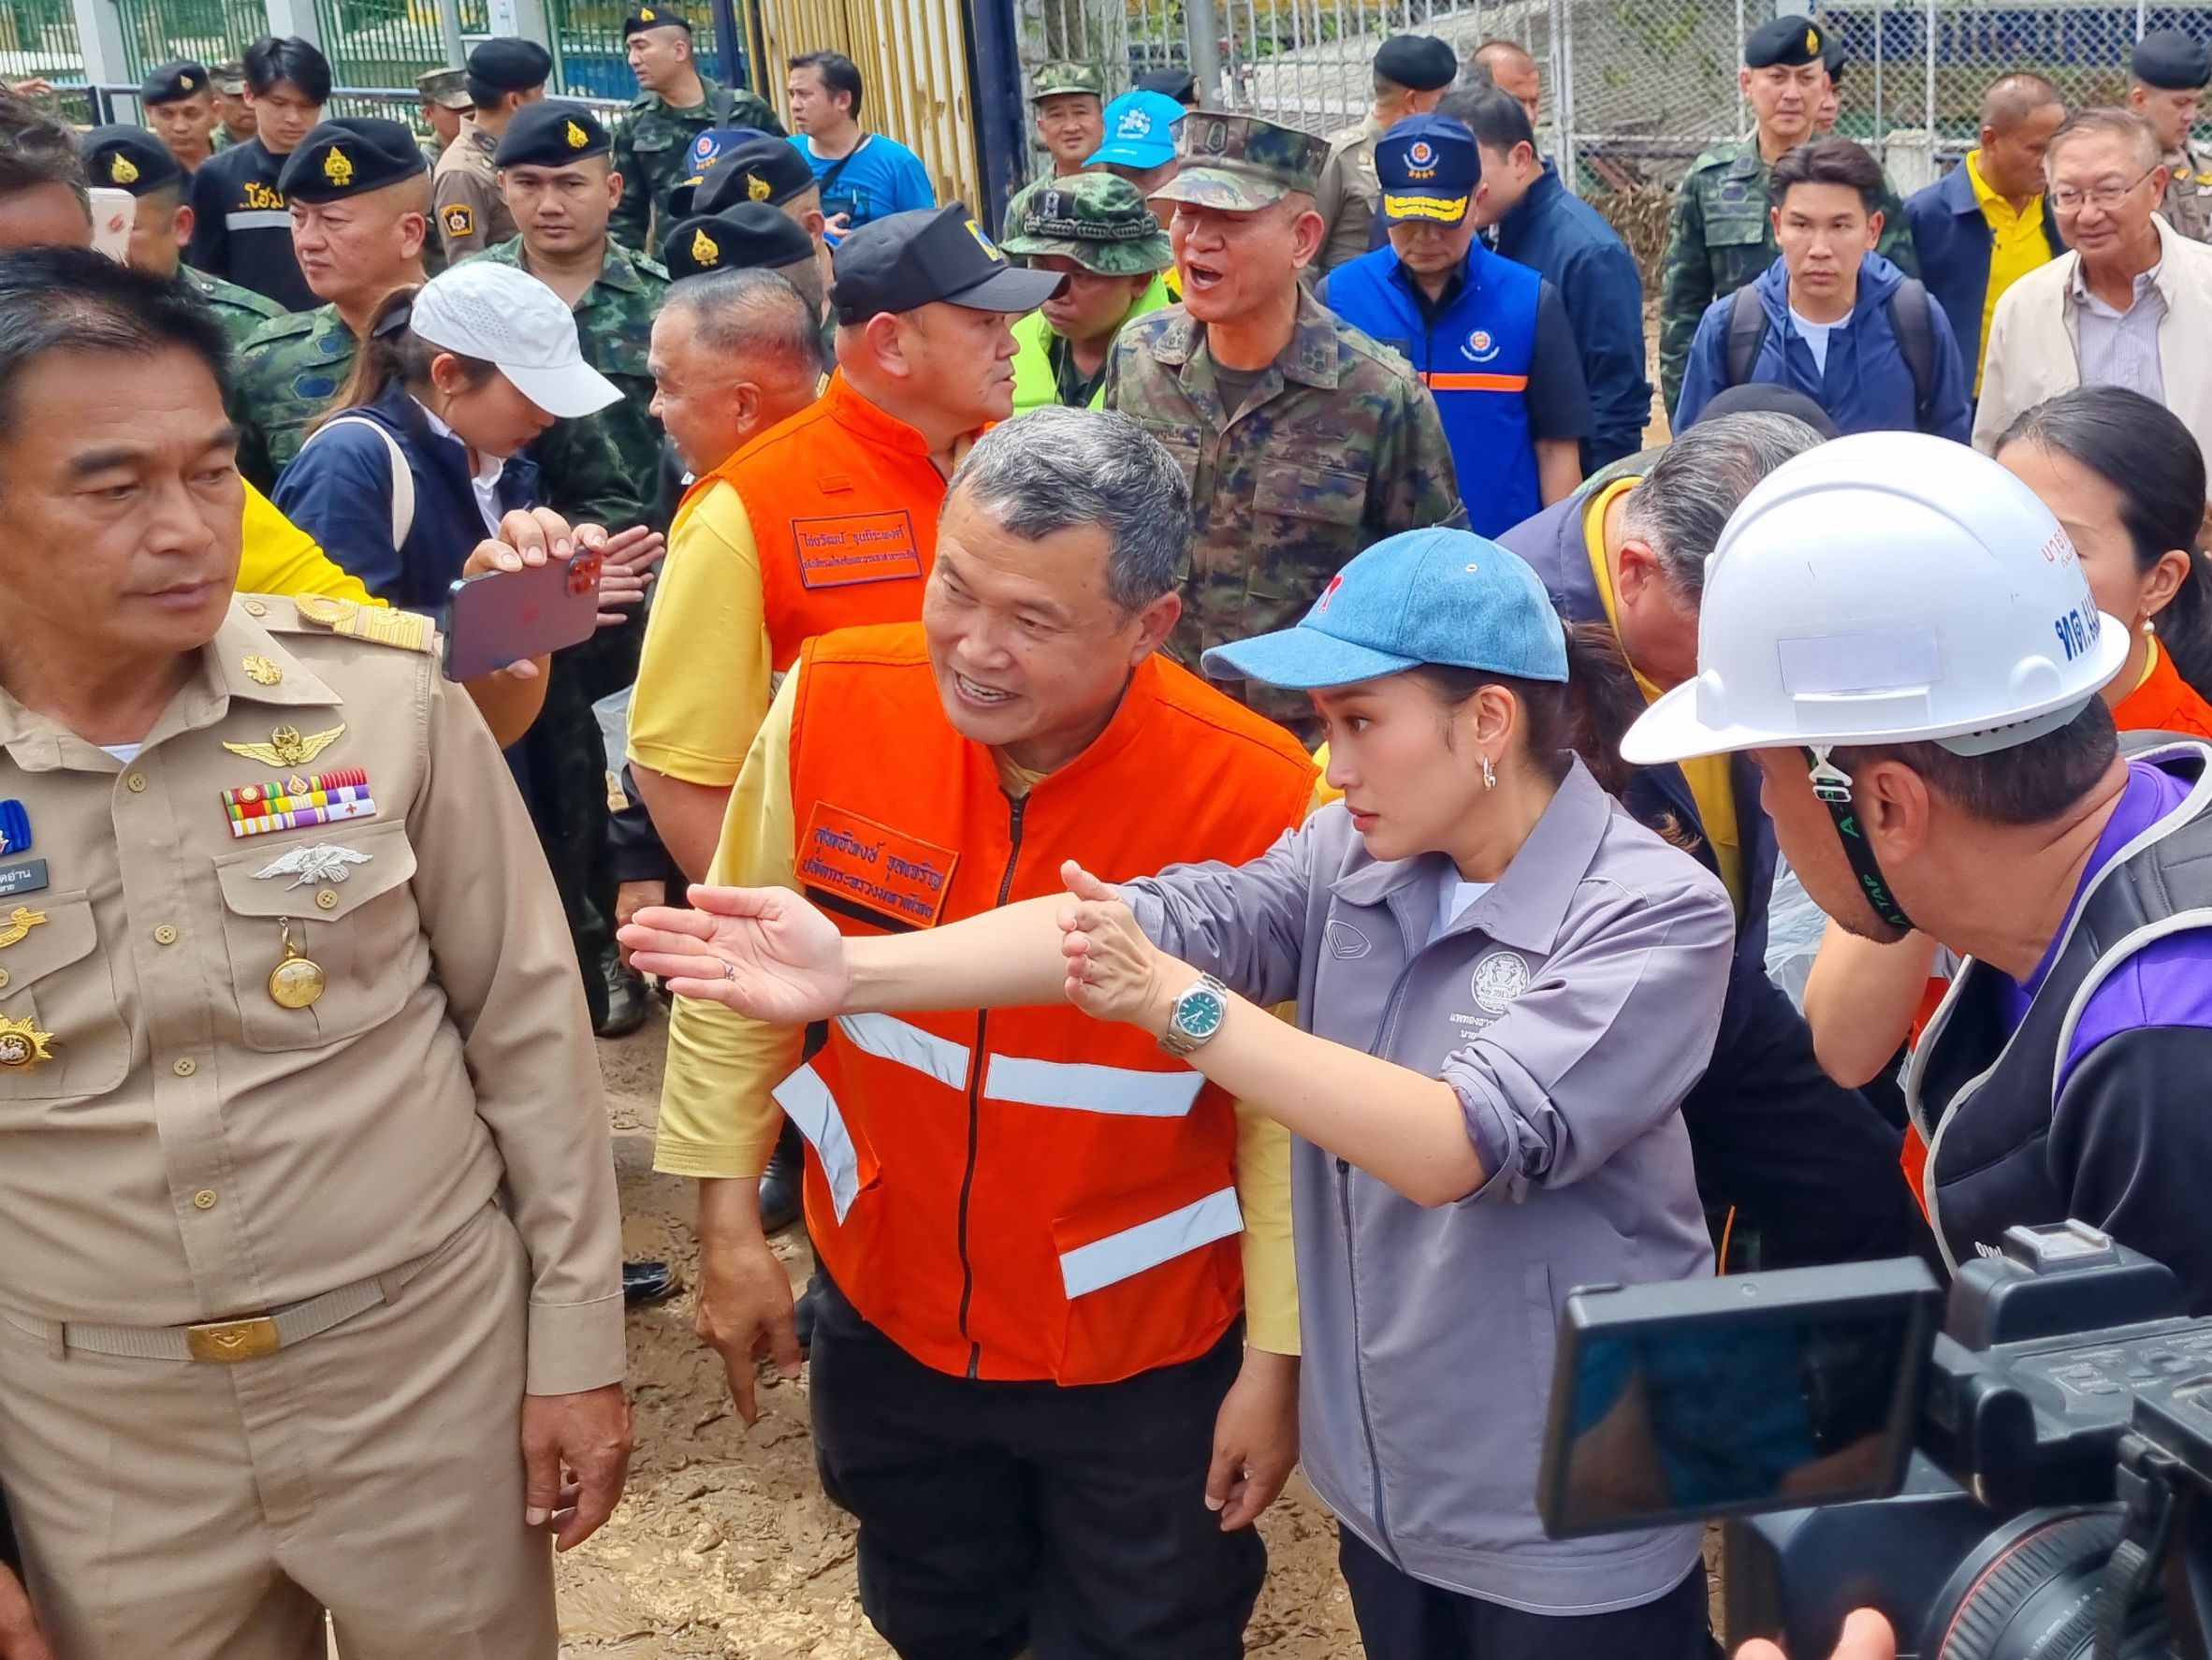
706	150
1140	131
1447	597
1428	167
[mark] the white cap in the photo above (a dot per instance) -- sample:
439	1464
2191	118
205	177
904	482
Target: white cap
1886	588
507	317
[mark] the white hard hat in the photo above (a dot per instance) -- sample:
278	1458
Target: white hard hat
1886	588
510	319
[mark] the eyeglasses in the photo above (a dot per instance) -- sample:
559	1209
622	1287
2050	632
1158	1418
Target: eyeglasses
2068	200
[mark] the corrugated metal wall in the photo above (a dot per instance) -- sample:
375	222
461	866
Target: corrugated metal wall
913	65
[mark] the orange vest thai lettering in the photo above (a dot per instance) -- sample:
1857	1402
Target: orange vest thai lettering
1025	1193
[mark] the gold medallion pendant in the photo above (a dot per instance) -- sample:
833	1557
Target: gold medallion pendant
298	980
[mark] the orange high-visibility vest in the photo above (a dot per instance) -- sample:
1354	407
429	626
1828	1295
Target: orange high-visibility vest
843	500
1024	1193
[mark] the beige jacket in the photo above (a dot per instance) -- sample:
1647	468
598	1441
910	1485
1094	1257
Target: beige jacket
2034	354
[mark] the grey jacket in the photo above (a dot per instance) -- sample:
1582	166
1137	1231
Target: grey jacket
1571	1007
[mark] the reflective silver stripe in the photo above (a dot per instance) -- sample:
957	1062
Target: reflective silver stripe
908	1045
1105	1261
258	219
1088	1088
815	1111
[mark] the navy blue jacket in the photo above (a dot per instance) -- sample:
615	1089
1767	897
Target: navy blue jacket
1952	239
1866	385
1558	233
339	491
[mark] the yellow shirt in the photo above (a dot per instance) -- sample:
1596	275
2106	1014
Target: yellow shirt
719	1119
2017	246
279	556
1710	787
703	681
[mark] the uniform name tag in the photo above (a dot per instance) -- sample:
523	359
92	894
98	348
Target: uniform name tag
26	877
852	861
856	547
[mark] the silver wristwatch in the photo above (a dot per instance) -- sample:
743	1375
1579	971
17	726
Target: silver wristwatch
1195	1016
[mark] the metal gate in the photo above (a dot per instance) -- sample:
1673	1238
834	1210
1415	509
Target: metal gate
209	30
38	42
588	57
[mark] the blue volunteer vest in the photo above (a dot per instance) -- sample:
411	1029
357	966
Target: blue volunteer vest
1475	357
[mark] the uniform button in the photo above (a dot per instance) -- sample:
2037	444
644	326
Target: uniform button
4	977
204	1200
327	900
135	784
255	609
184	1066
164	935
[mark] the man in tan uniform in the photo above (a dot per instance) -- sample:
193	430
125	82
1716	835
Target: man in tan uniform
309	1252
2167	80
1411	72
503	74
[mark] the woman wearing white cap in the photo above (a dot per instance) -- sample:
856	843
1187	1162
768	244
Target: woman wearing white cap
423	450
1504	986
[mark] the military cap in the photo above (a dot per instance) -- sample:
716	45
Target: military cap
175	82
350	156
1836	60
551	133
1239	163
767	170
748	237
447	88
2167	58
230	77
1428	167
1096	219
1420	62
508	65
655	16
1069	78
129	158
1792	41
1178	84
1140	131
908	260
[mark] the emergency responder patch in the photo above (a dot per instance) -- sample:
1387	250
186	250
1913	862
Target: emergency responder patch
458	219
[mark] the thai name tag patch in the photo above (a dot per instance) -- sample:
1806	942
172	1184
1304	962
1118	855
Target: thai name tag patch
854	862
856	547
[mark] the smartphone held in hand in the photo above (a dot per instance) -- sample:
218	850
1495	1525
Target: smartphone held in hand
504	617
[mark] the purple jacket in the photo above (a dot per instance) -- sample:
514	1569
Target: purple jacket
1571	1007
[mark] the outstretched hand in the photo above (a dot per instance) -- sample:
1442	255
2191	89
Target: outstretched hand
763	951
1113	972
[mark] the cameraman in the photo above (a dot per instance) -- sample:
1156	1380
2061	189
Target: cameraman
1902	635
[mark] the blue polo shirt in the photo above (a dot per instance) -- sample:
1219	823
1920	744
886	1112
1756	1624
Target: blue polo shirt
882	176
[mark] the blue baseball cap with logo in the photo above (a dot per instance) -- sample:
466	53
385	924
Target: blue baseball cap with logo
1140	131
1447	597
1428	167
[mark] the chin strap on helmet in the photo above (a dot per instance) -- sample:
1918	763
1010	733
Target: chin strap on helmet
1832	784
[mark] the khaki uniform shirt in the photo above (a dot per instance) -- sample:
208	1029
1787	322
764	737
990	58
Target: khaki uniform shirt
181	1147
466	202
1346	195
2188	201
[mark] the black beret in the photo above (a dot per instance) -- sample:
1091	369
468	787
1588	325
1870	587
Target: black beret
350	156
1178	84
1792	41
746	238
510	66
1420	62
1833	56
550	133
172	82
769	171
2168	58
655	16
129	158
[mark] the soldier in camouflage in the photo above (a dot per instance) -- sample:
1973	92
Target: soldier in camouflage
1069	104
130	158
1723	233
675	103
234	116
2166	85
445	109
1302	439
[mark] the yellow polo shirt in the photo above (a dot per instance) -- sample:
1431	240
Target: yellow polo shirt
2017	246
278	556
1708	777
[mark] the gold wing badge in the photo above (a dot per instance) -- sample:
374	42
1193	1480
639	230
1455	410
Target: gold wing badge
286	747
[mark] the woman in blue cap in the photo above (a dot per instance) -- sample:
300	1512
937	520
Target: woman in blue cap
1504	986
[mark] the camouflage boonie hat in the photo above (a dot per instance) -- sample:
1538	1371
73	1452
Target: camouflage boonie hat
1069	78
230	77
1240	164
1096	219
447	88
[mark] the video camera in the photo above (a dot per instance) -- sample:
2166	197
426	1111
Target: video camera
2031	1482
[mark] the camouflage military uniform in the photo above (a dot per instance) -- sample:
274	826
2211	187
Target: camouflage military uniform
242	310
2188	201
651	145
1722	237
466	206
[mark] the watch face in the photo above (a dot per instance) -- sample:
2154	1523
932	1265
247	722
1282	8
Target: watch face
1199	1012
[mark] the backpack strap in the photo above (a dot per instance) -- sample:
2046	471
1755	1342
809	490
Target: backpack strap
1911	321
402	474
1747	333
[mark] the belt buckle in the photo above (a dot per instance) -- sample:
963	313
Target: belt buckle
224	1340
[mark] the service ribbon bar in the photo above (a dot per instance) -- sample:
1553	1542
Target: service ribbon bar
300	801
